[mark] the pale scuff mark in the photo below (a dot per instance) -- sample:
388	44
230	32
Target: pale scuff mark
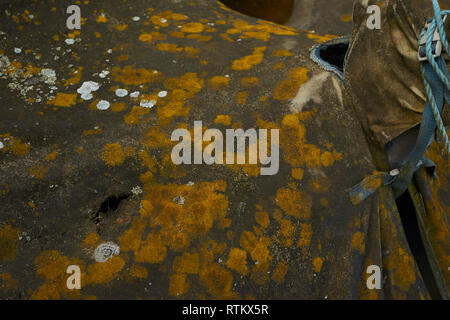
309	91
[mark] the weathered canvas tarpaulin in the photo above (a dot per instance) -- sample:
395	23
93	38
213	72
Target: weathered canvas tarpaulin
78	172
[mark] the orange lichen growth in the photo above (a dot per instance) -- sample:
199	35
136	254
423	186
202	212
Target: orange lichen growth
75	77
130	76
346	17
118	106
112	154
219	82
286	233
358	241
287	89
139	272
178	285
152	36
168	47
51	156
8	243
99	272
402	268
262	218
317	264
297	173
192	27
38	171
237	261
223	119
261	31
63	99
121	27
298	152
8	282
52	266
305	236
280	272
152	250
217	280
131	239
294	202
182	88
250	81
91	240
102	18
135	115
247	62
187	263
282	53
241	97
319	38
15	145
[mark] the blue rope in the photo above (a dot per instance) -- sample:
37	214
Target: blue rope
438	23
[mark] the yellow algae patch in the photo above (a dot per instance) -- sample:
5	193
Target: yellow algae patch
130	76
187	263
102	272
317	264
138	272
113	154
358	241
51	156
287	89
250	81
305	236
262	218
298	153
280	272
38	171
178	285
237	261
402	266
219	82
63	99
297	173
294	202
192	27
247	62
8	243
241	97
152	250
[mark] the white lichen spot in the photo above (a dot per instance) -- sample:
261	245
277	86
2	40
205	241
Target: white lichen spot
121	92
162	94
136	18
135	94
17	50
48	75
69	41
147	103
136	190
1	145
103	105
106	251
103	74
180	200
87	88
